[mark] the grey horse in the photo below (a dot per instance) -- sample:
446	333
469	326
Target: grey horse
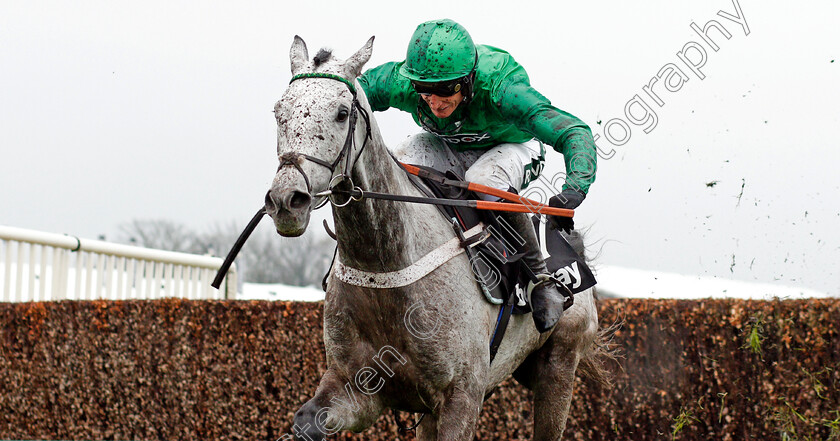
402	330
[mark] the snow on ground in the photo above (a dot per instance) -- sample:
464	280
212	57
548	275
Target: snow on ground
613	281
277	291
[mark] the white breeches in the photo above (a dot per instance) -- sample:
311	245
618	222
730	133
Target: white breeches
501	167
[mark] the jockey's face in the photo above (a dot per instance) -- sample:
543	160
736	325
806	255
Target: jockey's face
443	106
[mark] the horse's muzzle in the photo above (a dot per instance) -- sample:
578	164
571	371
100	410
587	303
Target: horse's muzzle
289	208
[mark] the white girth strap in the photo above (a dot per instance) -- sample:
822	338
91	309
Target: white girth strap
407	275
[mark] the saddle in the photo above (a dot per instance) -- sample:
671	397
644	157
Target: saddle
495	256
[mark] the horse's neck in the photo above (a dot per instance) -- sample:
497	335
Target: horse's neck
378	235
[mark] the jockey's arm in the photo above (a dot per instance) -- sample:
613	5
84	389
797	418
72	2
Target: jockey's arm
531	112
386	88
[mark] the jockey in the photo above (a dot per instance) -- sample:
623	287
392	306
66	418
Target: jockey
483	120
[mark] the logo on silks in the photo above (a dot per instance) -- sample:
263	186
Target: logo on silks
466	138
563	262
569	276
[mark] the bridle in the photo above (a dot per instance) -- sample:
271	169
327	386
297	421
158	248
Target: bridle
341	183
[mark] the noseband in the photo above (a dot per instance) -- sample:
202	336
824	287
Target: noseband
295	159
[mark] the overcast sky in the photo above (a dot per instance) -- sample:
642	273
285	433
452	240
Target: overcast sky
112	111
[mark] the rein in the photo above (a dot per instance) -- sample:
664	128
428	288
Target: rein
517	204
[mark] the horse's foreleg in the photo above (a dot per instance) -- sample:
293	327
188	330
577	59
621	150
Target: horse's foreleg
427	430
337	405
454	418
553	394
553	370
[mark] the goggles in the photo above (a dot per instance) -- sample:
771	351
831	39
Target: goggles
442	89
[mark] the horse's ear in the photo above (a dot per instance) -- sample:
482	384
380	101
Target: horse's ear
298	55
354	64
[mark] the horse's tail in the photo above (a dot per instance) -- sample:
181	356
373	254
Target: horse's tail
603	352
595	362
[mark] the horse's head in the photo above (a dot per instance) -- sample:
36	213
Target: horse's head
316	125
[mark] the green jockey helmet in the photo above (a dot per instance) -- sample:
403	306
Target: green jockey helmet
440	50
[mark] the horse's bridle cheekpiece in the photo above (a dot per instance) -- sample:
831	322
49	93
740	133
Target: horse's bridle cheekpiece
340	184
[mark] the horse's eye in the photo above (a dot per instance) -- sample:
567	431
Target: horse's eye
342	115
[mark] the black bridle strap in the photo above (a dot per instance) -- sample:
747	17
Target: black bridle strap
358	194
293	159
318	161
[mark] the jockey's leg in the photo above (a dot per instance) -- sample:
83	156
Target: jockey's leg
427	150
505	165
546	300
514	165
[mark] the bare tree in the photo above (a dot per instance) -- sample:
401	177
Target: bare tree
160	234
300	261
265	258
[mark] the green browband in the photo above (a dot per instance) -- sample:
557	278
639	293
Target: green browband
325	75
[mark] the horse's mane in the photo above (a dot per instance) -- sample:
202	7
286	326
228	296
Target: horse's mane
322	56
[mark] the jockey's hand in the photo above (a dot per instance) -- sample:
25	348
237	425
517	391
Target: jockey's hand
569	199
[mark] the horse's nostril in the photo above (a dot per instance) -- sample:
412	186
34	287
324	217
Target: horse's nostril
270	205
288	200
298	200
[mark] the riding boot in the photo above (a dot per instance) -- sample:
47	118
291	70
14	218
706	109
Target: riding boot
546	300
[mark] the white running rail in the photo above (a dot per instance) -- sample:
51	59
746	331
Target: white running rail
38	266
